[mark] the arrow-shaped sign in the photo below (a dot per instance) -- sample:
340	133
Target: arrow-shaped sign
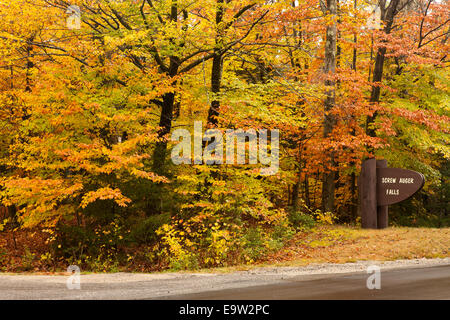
395	185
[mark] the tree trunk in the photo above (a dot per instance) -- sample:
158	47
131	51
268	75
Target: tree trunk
306	185
328	187
165	121
216	77
167	107
217	65
387	15
165	124
14	224
295	192
354	194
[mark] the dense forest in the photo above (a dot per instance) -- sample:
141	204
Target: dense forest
91	92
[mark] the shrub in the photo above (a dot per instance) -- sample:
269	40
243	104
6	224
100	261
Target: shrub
27	260
325	217
253	244
144	231
97	247
3	259
301	220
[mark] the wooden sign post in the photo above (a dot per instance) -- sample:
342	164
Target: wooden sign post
380	186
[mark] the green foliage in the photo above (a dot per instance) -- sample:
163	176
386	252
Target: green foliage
301	221
98	248
254	244
27	260
143	230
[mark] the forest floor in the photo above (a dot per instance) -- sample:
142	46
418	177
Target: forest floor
340	244
344	244
325	244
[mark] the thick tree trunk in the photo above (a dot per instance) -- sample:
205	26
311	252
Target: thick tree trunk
306	186
387	15
216	78
167	107
217	65
328	186
165	120
375	93
354	193
14	224
29	65
295	198
165	124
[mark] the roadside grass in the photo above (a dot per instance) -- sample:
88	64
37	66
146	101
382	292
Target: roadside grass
340	244
344	244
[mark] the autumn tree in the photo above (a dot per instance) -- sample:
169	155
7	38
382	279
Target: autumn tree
329	121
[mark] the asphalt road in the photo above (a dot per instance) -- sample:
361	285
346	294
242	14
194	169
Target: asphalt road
431	282
422	283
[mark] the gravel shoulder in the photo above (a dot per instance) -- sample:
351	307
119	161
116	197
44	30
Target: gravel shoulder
158	285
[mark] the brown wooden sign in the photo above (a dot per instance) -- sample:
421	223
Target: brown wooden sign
395	185
380	186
